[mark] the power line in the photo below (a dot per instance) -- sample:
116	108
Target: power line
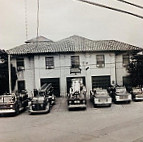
138	6
112	8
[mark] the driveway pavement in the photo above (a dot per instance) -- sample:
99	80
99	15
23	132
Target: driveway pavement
118	123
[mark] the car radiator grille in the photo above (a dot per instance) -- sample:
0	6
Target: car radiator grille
123	97
38	107
141	96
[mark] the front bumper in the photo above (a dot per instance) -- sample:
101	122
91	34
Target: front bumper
7	111
38	111
103	103
119	99
138	98
77	106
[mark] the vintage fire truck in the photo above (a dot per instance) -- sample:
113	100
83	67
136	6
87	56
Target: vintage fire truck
77	94
13	103
44	99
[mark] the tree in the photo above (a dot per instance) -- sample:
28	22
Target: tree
4	76
135	69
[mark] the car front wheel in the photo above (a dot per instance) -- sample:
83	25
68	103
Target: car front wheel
48	107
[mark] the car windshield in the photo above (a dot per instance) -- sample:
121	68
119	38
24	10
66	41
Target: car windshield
120	90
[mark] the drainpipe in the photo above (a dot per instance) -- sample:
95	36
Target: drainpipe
115	71
9	73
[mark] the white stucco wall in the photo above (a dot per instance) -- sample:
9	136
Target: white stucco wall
35	69
120	69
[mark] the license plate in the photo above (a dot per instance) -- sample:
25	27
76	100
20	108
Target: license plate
102	100
123	97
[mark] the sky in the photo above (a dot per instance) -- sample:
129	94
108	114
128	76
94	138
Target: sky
59	19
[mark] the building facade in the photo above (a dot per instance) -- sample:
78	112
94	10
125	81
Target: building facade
98	63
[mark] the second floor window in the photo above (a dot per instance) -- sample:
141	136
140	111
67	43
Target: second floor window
126	59
100	61
20	63
75	63
49	62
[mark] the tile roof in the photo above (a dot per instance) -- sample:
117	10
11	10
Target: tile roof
39	39
72	44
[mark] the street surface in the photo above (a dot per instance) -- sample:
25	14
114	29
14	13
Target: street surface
119	123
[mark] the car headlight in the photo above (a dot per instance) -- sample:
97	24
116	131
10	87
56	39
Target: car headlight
95	100
117	97
70	102
84	101
11	105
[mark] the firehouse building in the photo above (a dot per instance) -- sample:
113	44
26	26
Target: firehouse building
98	63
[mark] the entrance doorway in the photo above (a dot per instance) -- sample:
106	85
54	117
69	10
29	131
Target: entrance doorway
69	82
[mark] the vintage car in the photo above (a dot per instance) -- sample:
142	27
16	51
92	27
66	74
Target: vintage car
100	97
13	103
137	94
119	94
42	102
77	95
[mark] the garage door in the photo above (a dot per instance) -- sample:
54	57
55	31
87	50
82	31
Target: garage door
100	81
55	83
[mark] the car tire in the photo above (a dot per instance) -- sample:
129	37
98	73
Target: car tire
30	113
110	105
48	106
17	111
129	102
94	105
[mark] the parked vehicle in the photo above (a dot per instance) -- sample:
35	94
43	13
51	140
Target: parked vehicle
119	94
42	102
100	97
77	94
137	93
13	103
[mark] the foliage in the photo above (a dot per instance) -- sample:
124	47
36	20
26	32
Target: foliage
135	68
4	77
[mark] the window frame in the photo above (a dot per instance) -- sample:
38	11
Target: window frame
98	64
49	63
75	63
125	58
20	63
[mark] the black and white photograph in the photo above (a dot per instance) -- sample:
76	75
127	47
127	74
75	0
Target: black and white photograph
71	71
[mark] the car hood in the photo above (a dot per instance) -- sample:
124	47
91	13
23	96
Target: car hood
122	94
